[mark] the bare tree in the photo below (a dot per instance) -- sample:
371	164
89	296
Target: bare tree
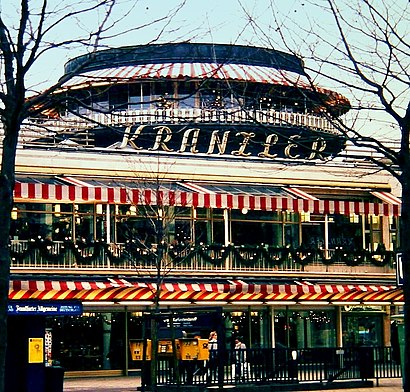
361	48
28	33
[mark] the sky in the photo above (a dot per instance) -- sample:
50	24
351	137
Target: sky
279	24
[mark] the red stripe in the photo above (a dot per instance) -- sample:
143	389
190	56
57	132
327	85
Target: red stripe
123	195
207	200
337	207
357	208
71	192
78	286
229	201
17	189
160	198
135	196
195	200
326	207
251	202
347	208
184	199
316	207
147	197
366	208
395	209
110	195
45	191
97	193
376	208
241	200
306	205
263	203
284	204
218	200
59	192
84	193
273	203
31	191
171	198
295	205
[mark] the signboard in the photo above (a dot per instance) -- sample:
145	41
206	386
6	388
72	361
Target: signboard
399	269
35	350
187	322
45	308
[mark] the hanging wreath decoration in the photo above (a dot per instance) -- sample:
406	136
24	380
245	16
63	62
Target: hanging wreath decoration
182	253
276	256
81	247
215	254
303	256
351	258
86	253
320	254
381	257
247	255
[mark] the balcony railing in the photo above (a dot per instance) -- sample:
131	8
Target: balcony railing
100	256
34	126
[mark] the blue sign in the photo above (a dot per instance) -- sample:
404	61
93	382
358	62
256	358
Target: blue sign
45	308
399	269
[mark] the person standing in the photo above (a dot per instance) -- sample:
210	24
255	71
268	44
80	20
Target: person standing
240	359
213	355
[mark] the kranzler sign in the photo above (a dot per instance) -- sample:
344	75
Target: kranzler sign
237	141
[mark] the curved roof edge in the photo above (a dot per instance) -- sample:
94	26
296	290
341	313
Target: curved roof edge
186	52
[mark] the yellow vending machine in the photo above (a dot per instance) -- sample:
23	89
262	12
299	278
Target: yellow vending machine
137	349
190	349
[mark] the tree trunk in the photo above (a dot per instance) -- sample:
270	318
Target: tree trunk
405	248
7	177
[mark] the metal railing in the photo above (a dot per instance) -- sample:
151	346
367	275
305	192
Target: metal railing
34	127
283	366
61	255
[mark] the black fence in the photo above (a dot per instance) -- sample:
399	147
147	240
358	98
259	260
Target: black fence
284	366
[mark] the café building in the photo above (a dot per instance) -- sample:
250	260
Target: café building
198	178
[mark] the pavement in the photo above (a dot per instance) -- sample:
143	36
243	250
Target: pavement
132	383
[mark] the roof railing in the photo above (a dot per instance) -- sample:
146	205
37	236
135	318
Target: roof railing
91	119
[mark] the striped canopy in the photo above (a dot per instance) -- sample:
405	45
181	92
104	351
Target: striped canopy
232	291
240	72
121	195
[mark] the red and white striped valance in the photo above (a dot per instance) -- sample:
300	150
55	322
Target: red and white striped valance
83	194
241	72
122	290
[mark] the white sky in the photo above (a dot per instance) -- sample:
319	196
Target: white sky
214	21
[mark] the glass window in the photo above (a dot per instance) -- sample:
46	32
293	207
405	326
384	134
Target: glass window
305	329
362	329
48	221
345	232
93	341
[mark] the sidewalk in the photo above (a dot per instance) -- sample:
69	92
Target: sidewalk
130	384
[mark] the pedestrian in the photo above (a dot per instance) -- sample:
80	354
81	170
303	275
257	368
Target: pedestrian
240	359
213	355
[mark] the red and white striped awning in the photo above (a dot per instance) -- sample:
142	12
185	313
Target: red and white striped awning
387	197
236	291
240	72
121	195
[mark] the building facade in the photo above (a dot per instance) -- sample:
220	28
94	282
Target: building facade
196	177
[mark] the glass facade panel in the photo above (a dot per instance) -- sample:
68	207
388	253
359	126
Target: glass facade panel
305	329
362	329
